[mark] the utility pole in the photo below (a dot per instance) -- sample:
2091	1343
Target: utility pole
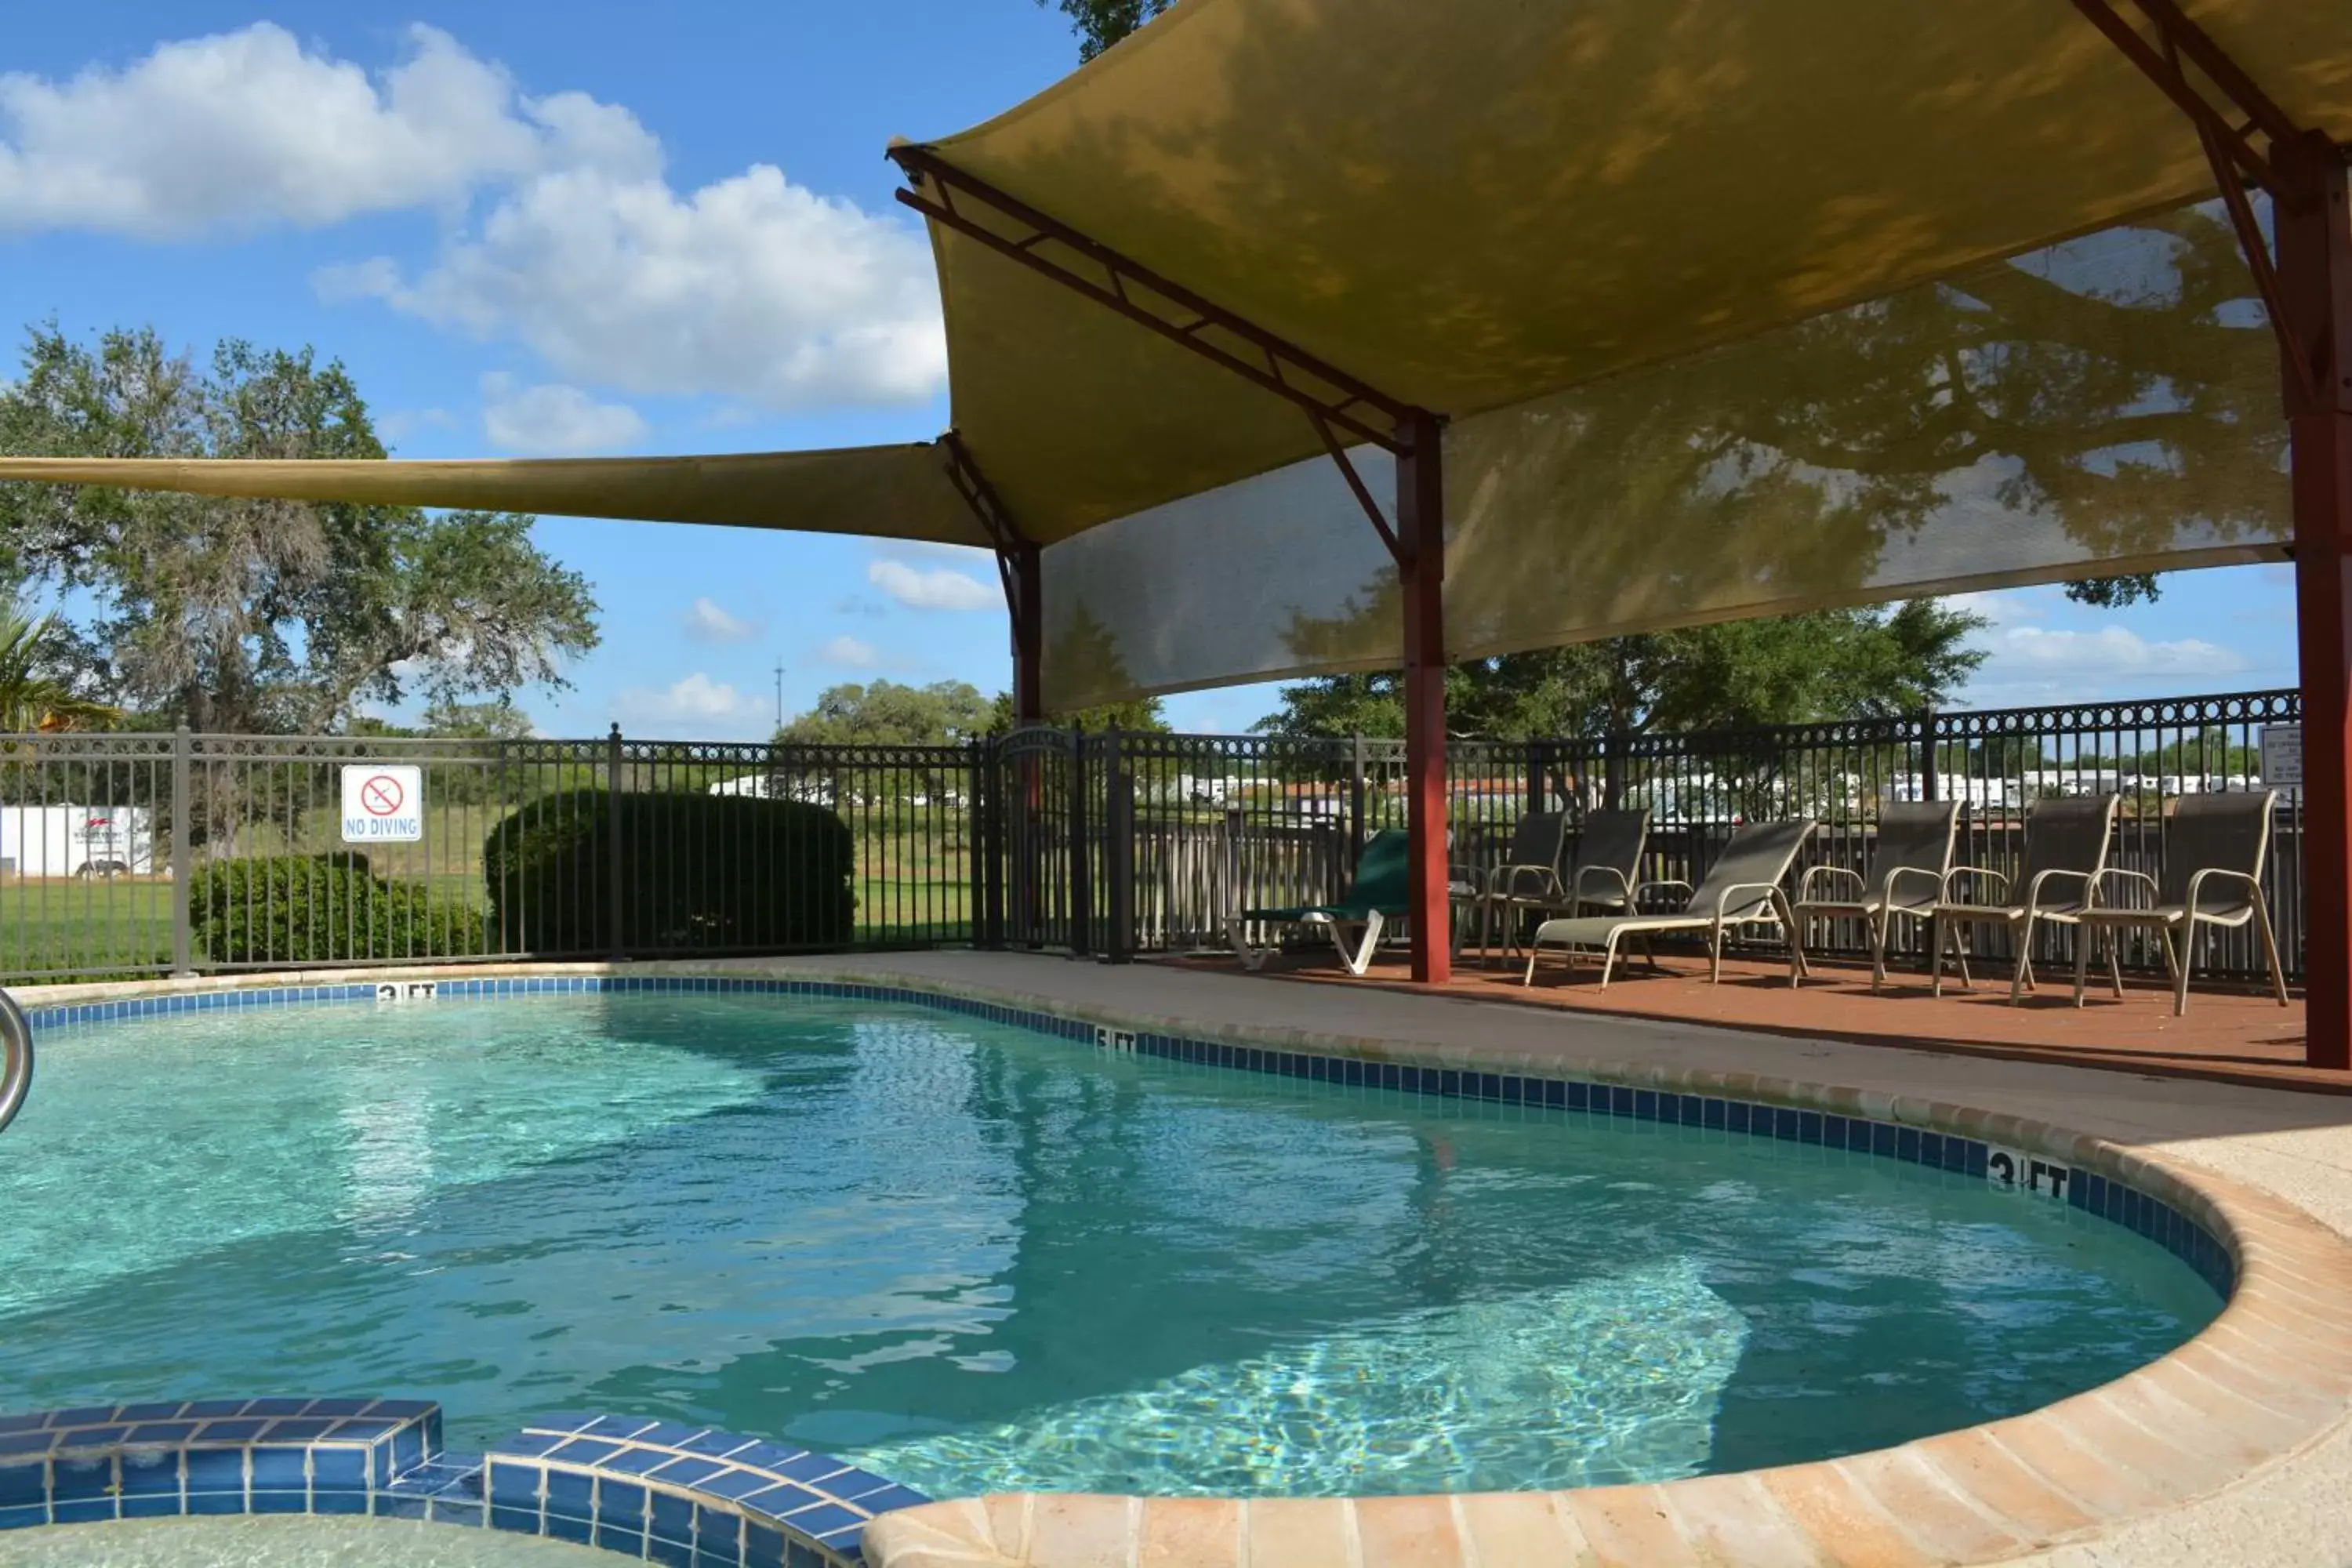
779	694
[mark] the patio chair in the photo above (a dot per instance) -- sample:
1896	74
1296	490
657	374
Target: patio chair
2066	841
1531	864
1743	886
1378	895
2215	848
1599	877
1905	878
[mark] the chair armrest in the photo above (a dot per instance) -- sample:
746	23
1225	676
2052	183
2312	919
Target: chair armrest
2100	880
1620	885
1957	872
2253	884
1725	899
1642	888
2033	888
1506	882
1805	883
1934	880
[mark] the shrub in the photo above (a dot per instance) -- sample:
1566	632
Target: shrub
324	909
698	872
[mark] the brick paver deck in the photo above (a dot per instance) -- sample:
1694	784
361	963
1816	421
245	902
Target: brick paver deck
2235	1034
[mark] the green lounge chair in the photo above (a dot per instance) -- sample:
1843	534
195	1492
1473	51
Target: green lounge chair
1378	897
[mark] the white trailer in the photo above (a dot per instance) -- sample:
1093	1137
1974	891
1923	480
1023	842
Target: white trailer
77	840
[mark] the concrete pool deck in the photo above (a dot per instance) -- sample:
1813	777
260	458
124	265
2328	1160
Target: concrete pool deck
2231	1450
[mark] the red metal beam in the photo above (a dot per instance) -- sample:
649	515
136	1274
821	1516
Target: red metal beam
1420	526
942	193
2313	220
1020	565
2306	289
2159	59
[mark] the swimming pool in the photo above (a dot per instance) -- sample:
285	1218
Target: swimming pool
975	1257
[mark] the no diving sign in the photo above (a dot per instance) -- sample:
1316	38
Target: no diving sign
383	805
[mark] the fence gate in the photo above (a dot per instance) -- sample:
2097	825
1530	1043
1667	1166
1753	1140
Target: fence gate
1044	836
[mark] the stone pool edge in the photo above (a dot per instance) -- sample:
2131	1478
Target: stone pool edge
2270	1376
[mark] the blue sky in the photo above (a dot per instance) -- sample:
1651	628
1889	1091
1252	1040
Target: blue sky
536	228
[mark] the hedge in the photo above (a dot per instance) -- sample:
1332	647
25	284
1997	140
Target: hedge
298	908
698	872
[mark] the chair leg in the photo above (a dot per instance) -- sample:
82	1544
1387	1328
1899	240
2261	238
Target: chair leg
2021	977
2116	962
2187	964
1714	955
1359	960
2082	960
1879	929
1253	959
2271	951
1609	959
1529	978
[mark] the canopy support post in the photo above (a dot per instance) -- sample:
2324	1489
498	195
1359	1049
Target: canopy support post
1020	565
2306	289
1341	409
1421	536
2315	286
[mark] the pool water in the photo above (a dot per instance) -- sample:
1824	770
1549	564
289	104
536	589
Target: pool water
974	1258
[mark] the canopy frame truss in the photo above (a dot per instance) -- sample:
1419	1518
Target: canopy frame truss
1017	568
1334	403
2304	279
943	192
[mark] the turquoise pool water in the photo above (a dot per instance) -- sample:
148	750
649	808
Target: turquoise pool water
974	1258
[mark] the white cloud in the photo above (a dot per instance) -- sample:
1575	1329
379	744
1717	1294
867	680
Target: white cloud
748	287
707	621
2109	652
694	708
938	589
247	129
553	419
751	288
848	650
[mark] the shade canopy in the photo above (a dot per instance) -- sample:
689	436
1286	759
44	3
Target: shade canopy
1473	205
896	492
1731	309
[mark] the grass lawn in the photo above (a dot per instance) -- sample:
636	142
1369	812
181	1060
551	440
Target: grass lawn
69	929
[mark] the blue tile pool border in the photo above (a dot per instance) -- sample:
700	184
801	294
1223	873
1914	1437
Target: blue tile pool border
662	1492
2101	1196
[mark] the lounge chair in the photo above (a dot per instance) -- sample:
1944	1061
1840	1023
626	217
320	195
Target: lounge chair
1743	886
2066	842
1379	896
1905	878
1531	864
2215	848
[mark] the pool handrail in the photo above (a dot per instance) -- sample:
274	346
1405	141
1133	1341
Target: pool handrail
16	1059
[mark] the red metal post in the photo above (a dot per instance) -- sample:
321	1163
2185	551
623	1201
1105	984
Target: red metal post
1023	568
2313	226
1421	534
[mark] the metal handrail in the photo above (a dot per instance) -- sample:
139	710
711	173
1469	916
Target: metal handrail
16	1059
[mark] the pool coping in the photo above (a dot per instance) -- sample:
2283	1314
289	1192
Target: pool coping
2269	1378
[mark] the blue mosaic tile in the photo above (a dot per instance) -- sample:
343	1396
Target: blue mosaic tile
25	1485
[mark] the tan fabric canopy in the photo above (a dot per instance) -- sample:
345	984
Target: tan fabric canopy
1733	308
893	492
1474	203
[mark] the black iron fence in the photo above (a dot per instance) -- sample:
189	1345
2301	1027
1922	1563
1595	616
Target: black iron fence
126	854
